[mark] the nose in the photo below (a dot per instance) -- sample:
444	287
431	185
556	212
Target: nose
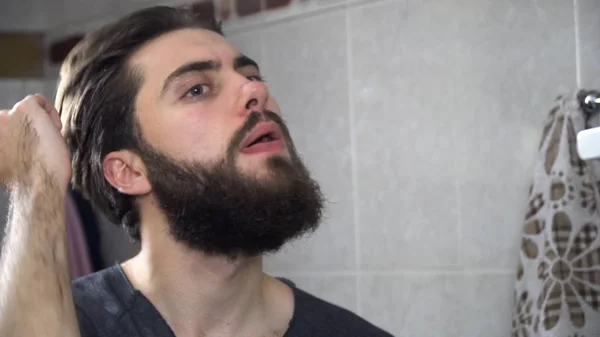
254	97
251	103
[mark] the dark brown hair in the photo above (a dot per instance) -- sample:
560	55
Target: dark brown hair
96	100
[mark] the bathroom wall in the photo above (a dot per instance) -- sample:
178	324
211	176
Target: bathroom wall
24	15
421	120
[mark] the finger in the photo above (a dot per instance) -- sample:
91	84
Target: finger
56	119
49	108
43	102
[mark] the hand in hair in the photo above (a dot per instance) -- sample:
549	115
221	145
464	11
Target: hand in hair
31	146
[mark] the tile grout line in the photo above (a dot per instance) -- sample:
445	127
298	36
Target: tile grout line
324	9
457	189
57	31
353	159
577	44
407	272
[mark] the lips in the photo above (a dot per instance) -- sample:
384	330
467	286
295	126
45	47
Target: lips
263	133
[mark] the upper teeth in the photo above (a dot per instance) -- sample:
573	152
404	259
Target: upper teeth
266	138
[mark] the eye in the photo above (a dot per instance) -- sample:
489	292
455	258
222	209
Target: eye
197	90
256	78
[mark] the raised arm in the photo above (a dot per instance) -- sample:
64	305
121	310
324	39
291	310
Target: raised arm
35	287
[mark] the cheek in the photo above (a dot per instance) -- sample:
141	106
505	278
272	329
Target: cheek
185	136
203	137
198	140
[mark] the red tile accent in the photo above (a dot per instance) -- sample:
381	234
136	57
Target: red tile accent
247	7
224	9
204	9
59	50
271	4
224	14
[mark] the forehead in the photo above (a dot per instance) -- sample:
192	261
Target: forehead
173	49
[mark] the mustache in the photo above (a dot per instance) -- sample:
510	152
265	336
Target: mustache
254	118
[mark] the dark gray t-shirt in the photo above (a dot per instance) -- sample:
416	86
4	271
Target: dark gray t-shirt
108	305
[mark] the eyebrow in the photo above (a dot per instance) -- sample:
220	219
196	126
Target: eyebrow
203	66
244	61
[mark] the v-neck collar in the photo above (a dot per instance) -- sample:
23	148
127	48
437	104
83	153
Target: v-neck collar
140	306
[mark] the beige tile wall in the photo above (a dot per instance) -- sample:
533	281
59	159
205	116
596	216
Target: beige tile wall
421	120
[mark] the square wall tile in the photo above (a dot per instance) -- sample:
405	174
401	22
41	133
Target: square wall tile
76	11
402	89
305	64
31	87
407	305
68	29
250	44
481	305
508	82
492	222
494	179
588	44
296	8
428	305
11	92
50	86
23	15
408	224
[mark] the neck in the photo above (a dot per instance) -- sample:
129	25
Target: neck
201	295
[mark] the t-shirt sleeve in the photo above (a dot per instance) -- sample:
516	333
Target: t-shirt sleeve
86	325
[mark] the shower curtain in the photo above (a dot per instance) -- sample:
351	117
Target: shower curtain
557	290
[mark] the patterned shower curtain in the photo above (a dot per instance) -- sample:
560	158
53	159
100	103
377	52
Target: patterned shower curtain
558	278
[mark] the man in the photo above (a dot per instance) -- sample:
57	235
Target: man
173	134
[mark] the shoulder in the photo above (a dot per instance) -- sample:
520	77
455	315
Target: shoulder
104	287
101	299
316	317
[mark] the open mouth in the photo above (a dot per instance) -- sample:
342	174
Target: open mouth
264	137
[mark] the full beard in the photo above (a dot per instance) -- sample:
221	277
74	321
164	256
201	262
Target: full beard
216	209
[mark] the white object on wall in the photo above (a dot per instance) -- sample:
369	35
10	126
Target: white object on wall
588	144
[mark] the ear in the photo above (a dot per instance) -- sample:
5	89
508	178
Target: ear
126	172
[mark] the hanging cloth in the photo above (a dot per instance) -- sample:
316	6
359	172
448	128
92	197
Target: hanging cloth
557	291
79	259
90	224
